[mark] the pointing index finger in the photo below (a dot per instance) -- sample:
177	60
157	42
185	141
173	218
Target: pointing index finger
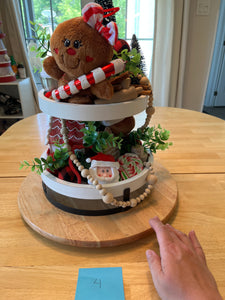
163	235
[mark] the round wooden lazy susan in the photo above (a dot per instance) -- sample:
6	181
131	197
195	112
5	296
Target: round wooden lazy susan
96	231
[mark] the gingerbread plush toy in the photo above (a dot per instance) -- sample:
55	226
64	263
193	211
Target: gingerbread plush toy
80	45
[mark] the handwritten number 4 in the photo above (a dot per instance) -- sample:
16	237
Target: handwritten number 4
98	282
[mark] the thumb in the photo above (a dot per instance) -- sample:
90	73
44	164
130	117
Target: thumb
154	263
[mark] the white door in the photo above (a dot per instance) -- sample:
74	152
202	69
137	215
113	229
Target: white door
215	93
220	88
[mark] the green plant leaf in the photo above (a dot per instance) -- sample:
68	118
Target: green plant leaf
26	163
37	160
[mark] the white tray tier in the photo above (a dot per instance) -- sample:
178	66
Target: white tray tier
89	192
92	112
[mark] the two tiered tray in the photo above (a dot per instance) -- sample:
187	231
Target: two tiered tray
75	214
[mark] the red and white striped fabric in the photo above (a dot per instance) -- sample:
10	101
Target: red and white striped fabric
93	15
85	81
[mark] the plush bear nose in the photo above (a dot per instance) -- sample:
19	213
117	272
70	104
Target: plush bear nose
71	51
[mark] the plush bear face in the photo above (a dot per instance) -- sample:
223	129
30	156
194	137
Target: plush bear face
78	48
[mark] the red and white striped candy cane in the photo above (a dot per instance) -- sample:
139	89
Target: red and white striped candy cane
85	81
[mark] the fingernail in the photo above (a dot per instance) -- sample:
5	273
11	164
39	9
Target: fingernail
149	253
154	218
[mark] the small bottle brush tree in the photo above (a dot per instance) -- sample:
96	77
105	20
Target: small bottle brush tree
141	66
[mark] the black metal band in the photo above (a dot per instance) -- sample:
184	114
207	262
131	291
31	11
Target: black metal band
49	193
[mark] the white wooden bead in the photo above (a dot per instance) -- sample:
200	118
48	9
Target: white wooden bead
84	173
138	199
124	204
80	168
148	191
78	164
142	197
151	179
128	203
95	182
133	202
147	165
150	186
145	194
108	198
73	157
99	187
89	177
120	203
103	192
114	202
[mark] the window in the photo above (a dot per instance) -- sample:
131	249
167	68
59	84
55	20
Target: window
135	17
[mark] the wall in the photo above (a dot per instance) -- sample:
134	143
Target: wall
201	38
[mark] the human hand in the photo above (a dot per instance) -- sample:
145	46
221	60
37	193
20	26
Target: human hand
181	271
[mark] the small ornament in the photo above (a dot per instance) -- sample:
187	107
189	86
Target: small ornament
104	168
130	165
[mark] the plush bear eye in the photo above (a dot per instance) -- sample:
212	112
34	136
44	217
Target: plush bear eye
66	43
77	44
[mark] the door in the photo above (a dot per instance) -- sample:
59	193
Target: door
219	92
215	93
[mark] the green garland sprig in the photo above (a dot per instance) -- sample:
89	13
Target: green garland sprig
132	59
58	161
99	141
152	138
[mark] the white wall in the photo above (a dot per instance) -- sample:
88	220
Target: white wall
201	38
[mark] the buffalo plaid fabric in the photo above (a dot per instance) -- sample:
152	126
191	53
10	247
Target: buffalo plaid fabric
121	45
67	174
70	173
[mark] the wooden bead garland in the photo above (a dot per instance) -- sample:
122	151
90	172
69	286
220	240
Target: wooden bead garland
106	196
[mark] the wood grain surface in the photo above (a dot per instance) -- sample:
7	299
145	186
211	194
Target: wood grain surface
198	142
93	231
33	267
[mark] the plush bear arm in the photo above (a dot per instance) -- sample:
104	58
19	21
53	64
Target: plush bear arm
103	90
51	68
125	126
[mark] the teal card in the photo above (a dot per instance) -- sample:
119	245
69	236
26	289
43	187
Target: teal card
100	284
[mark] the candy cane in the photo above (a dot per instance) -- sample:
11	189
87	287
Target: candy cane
85	81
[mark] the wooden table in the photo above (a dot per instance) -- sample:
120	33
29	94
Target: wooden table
32	267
